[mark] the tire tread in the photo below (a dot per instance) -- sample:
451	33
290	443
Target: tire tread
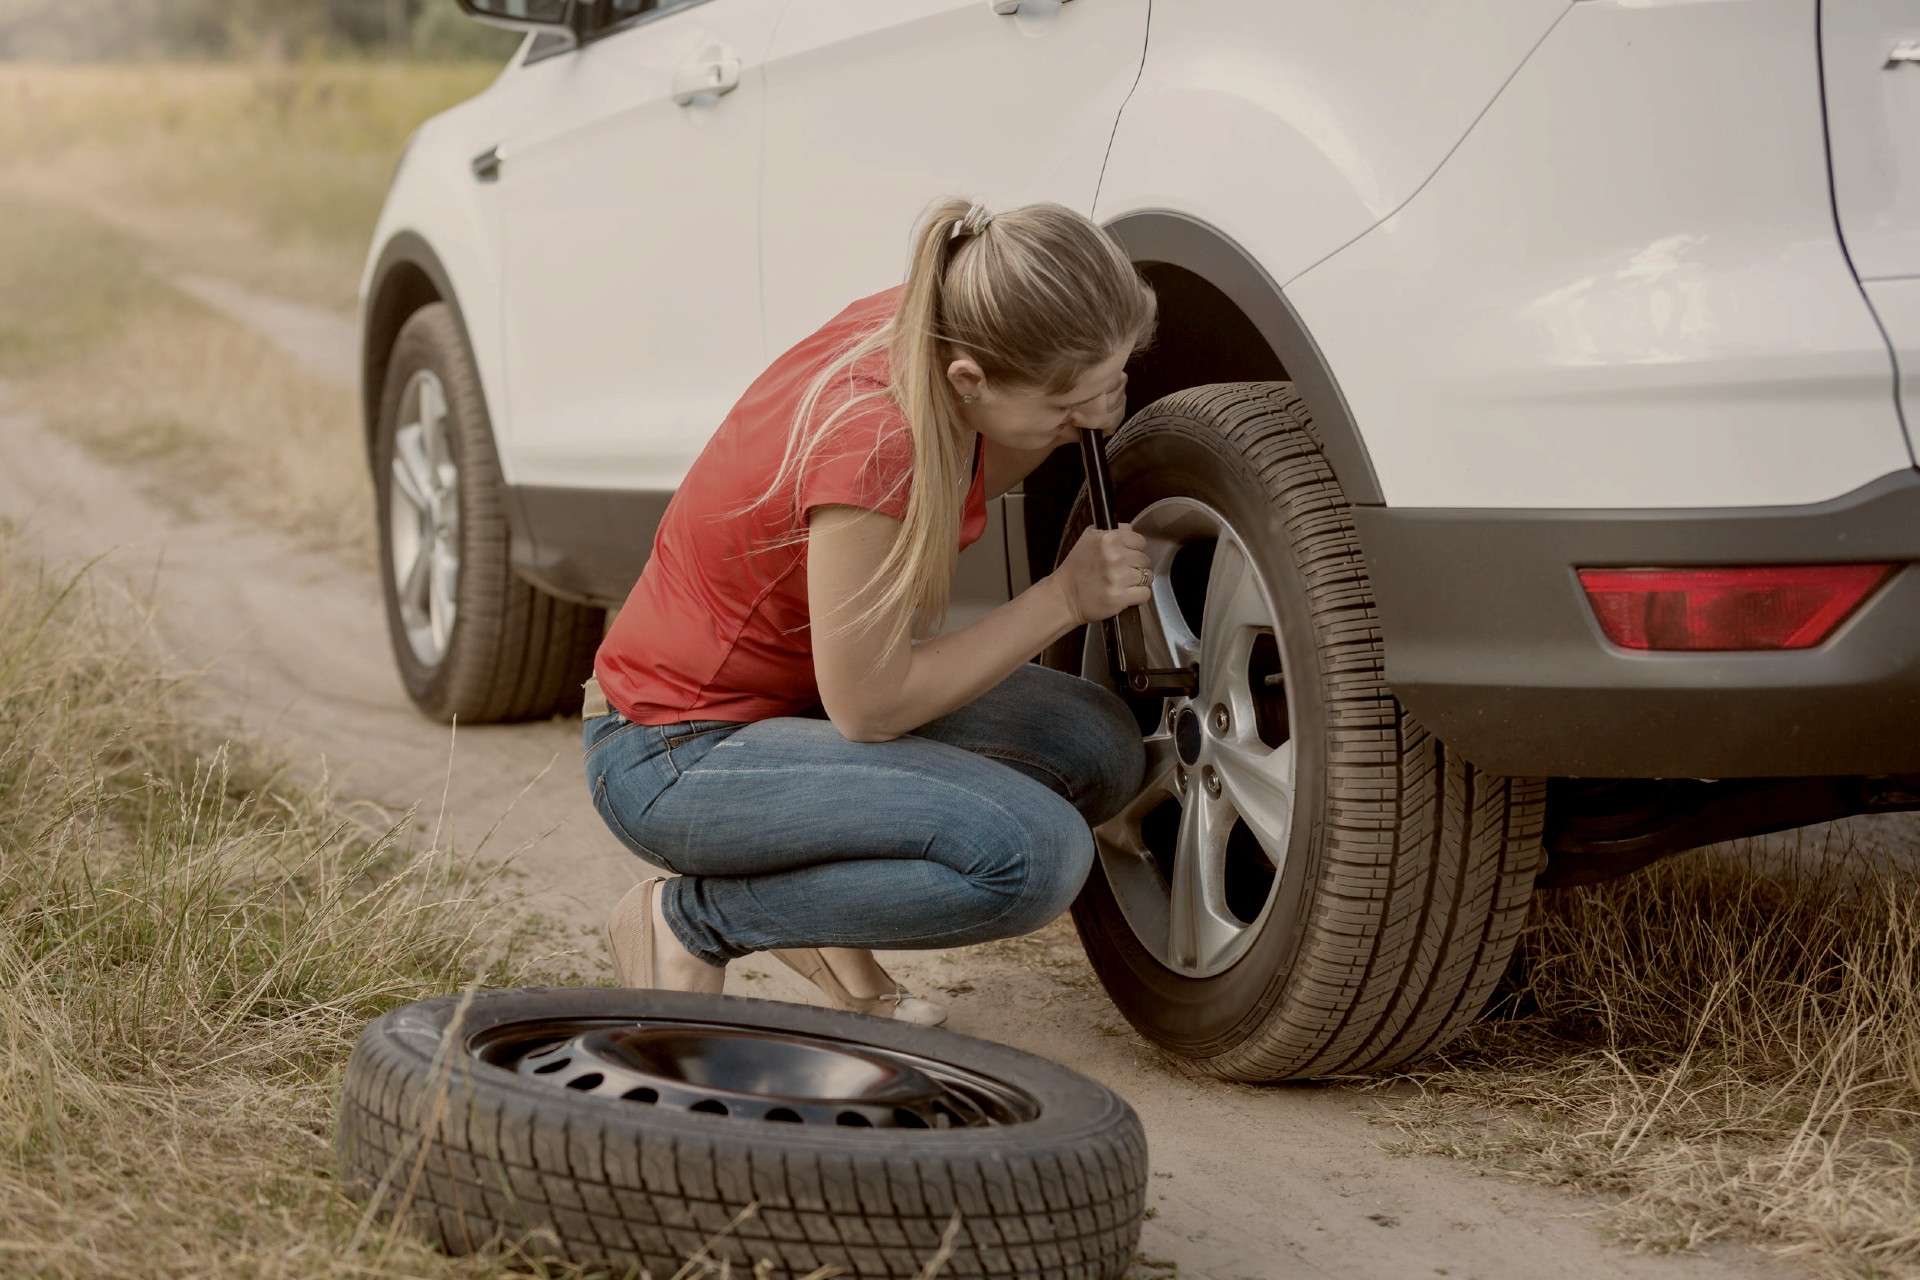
517	653
1426	863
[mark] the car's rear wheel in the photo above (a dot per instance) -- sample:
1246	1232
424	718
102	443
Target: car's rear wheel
472	640
1309	883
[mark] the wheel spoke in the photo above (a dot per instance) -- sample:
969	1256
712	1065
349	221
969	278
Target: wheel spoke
433	421
1233	609
409	475
1169	641
412	474
440	607
1123	829
1199	925
1256	781
415	583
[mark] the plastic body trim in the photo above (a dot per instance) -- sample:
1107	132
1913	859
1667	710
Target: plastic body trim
1492	645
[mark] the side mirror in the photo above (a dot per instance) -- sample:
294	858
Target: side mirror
561	17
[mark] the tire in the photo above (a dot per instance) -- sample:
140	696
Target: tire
472	640
446	1122
1359	887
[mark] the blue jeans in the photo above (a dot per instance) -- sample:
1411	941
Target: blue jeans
784	834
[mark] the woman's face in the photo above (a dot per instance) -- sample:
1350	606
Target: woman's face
1026	419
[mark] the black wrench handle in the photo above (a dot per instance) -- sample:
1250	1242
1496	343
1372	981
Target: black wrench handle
1126	639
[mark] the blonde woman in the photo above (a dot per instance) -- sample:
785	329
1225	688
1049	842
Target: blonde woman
820	778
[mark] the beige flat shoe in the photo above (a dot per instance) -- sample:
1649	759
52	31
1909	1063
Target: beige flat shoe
645	952
630	935
810	964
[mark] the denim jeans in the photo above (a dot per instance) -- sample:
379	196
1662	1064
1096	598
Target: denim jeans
782	833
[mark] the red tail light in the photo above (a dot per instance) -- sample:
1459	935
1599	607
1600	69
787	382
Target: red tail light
1776	607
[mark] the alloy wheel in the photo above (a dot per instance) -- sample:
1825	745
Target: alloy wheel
1194	859
424	518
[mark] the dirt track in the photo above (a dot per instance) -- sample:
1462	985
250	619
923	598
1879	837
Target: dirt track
1249	1183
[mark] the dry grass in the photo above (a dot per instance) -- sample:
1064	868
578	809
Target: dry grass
1727	1044
188	945
113	355
270	174
114	178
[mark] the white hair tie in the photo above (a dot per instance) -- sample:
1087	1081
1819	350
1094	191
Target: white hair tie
974	211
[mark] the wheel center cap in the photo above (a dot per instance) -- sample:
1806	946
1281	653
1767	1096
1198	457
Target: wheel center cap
1186	735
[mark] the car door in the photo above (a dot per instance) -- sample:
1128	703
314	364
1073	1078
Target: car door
878	107
629	199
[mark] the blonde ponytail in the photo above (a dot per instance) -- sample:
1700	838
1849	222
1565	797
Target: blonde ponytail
1036	296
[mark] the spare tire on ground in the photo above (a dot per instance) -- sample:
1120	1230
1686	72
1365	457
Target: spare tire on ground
638	1129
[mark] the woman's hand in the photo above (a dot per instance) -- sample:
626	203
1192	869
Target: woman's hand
1106	571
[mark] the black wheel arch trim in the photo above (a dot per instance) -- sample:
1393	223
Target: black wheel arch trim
390	300
1164	236
388	303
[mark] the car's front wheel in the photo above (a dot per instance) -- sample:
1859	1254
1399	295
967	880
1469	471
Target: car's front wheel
1309	883
471	639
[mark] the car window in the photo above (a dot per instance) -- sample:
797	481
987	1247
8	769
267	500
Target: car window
621	12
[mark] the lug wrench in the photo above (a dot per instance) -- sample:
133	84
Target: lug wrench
1126	639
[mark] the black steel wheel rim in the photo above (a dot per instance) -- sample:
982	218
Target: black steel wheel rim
751	1073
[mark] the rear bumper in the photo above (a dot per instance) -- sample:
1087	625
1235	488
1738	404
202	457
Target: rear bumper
1491	644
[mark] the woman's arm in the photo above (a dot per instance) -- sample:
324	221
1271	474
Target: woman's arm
874	691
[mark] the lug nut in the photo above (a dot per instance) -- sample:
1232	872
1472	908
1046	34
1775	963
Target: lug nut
1212	781
1180	781
1220	721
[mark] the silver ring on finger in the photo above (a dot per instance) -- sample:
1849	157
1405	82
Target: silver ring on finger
1146	576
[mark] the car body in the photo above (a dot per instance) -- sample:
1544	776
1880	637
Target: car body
1566	285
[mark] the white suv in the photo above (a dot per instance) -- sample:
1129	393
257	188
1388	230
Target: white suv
1522	447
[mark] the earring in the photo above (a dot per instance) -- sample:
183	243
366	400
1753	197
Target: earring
966	399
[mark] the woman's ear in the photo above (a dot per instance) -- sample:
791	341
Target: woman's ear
966	378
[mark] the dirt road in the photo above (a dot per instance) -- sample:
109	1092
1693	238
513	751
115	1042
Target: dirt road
1249	1184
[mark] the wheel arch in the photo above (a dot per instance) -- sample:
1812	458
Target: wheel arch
1222	319
408	276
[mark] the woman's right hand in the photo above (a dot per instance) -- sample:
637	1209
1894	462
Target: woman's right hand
1105	572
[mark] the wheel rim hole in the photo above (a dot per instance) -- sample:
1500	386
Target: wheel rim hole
1160	833
853	1120
710	1106
906	1119
548	1068
1269	691
586	1083
1249	874
642	1094
1188	573
784	1115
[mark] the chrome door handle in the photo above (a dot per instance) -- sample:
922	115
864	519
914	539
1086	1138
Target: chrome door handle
486	165
716	74
1905	51
1004	7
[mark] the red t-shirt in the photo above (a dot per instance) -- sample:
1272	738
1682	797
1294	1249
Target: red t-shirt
716	628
